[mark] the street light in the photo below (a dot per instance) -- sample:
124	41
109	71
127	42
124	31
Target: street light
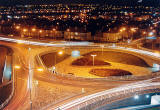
123	28
33	29
133	29
40	31
147	96
40	69
30	80
102	46
68	30
17	67
136	97
17	27
122	31
93	58
24	30
54	33
59	53
144	32
30	76
151	34
54	29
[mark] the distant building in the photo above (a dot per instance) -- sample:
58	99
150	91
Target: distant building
111	37
77	34
55	34
41	33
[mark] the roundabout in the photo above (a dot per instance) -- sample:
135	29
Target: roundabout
137	62
107	63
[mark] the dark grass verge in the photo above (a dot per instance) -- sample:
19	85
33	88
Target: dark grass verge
109	72
53	58
118	57
89	62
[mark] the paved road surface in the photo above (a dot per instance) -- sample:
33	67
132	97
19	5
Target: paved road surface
20	101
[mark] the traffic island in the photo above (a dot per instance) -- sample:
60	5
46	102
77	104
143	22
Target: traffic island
118	57
89	62
109	72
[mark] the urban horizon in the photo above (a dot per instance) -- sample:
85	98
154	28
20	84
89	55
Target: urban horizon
109	2
79	55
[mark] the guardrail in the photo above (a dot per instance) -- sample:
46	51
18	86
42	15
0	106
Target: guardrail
110	78
6	93
102	98
7	90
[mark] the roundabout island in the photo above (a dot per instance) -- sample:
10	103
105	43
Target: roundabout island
106	63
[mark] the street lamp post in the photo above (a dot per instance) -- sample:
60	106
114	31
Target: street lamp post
55	59
40	31
54	33
59	53
29	76
102	46
18	29
30	81
151	35
68	30
32	34
15	67
93	58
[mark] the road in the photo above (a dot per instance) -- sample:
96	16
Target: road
21	96
44	84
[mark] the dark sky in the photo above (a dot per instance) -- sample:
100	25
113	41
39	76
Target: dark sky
124	2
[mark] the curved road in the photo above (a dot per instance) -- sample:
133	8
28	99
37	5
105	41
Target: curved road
23	57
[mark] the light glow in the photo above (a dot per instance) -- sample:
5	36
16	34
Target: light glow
60	52
17	67
40	69
33	29
136	97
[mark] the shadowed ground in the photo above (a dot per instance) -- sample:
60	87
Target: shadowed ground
117	57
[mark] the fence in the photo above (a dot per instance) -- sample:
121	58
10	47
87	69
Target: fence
6	93
96	100
110	78
7	89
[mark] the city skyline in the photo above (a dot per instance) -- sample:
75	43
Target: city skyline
79	54
115	2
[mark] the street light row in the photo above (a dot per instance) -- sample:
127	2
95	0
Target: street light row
34	29
38	69
135	29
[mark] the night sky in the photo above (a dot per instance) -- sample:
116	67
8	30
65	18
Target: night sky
116	2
